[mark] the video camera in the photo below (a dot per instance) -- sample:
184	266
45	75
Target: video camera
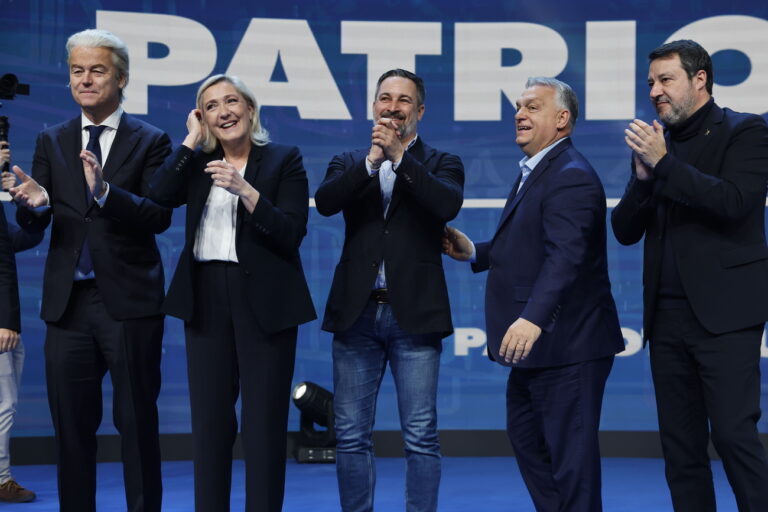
9	88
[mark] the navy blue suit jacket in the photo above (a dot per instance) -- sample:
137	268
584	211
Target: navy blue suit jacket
121	235
547	263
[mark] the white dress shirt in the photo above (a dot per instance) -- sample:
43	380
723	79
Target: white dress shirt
215	237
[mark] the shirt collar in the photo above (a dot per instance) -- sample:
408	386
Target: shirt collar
533	161
113	121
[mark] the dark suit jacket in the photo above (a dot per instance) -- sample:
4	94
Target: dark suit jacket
266	241
121	235
428	192
548	264
10	317
714	207
21	240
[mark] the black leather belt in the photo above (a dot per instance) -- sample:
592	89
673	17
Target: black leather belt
380	295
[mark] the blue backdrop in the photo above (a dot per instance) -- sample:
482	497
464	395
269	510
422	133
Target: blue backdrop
311	63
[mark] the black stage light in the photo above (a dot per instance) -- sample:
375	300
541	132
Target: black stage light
316	406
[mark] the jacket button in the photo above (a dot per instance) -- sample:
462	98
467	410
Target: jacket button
386	231
88	219
374	264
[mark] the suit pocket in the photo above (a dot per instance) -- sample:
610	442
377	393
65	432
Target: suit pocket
743	255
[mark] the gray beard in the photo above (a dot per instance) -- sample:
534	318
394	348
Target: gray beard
679	113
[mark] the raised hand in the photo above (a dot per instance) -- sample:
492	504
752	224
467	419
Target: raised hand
647	141
94	177
194	129
28	193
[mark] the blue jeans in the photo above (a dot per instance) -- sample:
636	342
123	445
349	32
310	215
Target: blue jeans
360	356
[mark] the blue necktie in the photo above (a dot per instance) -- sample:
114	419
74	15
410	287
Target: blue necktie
85	264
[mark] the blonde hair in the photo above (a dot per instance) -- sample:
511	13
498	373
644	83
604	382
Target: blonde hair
259	135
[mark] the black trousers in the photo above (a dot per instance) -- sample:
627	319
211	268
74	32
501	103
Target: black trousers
228	352
705	381
79	349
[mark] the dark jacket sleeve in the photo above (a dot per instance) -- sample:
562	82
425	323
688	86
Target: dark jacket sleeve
283	223
440	192
10	317
344	180
572	209
630	218
739	187
138	211
41	172
21	240
482	257
168	185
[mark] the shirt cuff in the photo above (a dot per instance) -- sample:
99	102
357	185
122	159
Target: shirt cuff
663	167
103	199
44	208
371	171
473	255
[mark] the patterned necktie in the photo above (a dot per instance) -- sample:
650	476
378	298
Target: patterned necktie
84	263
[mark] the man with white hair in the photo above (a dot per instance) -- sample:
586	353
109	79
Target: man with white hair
103	284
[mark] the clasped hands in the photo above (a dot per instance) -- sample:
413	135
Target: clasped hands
648	146
385	142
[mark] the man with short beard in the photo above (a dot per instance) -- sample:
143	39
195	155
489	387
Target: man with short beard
389	301
697	193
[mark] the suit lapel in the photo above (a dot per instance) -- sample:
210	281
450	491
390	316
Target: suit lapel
251	175
125	141
70	138
704	140
536	173
420	152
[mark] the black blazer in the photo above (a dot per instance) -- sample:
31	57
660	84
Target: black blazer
547	263
121	235
715	210
428	193
10	317
267	240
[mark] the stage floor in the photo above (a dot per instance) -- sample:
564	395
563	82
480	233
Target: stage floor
469	484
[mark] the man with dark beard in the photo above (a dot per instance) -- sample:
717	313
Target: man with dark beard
389	301
697	193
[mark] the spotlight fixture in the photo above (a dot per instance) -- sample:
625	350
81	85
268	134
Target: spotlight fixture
316	407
